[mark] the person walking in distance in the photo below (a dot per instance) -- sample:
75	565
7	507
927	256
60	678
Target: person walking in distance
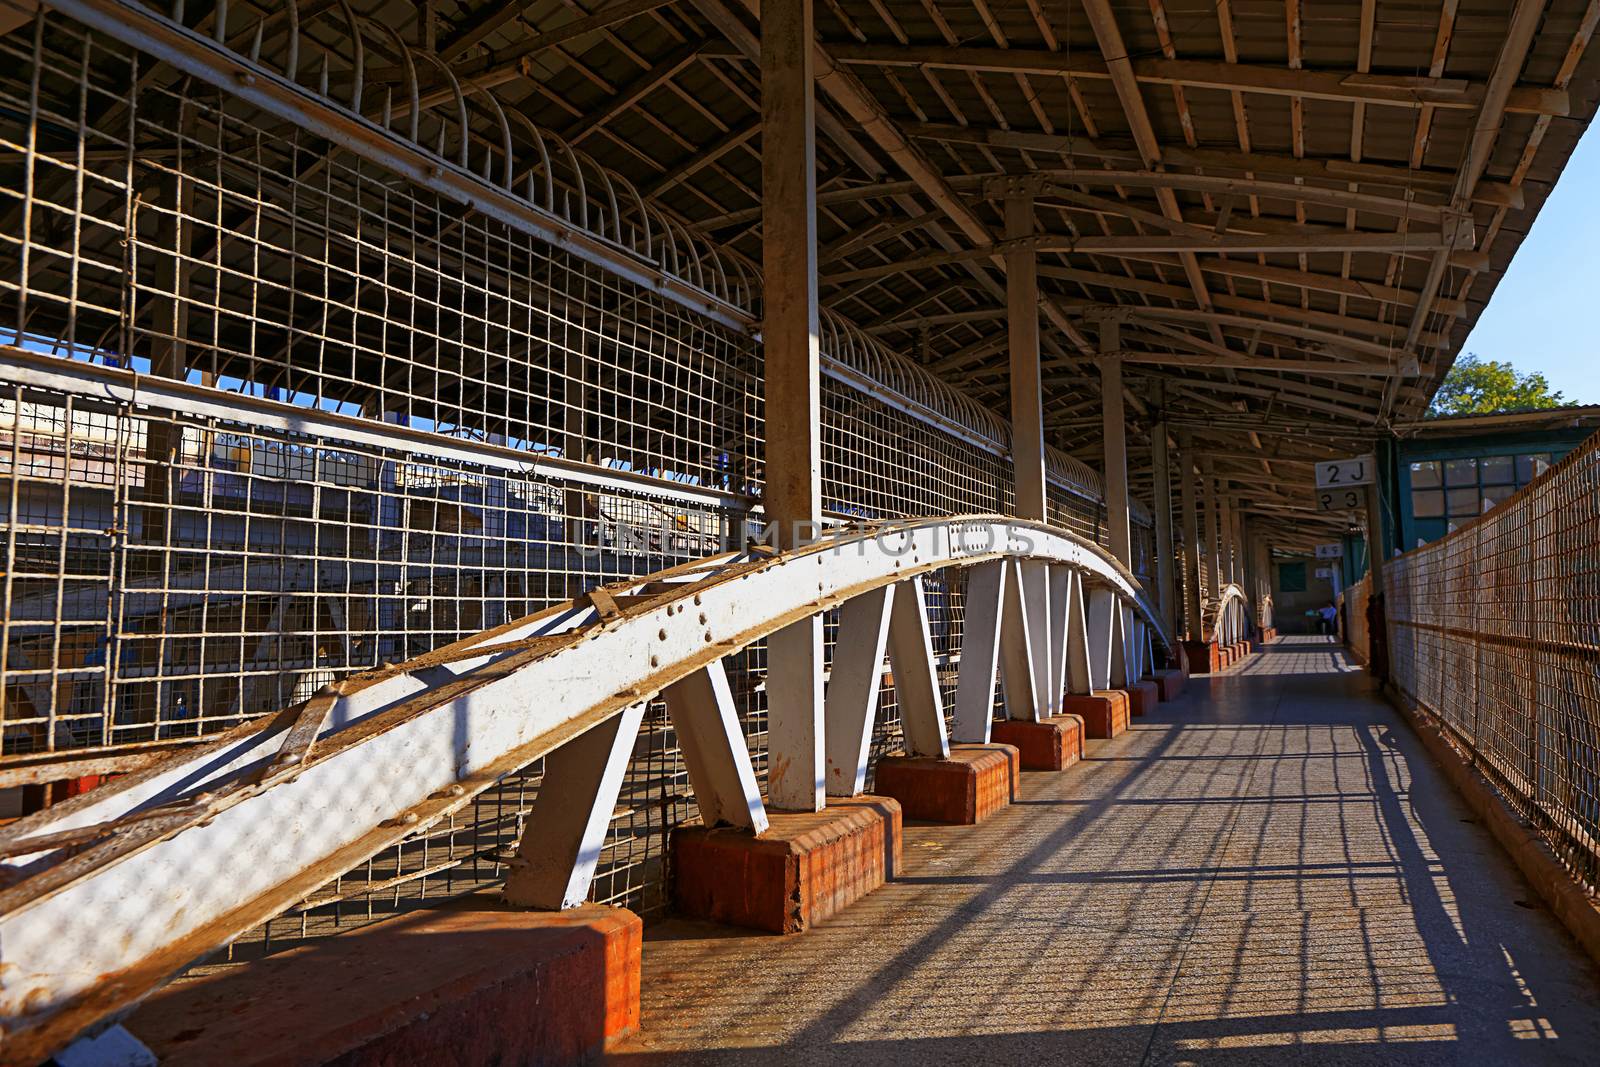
1327	619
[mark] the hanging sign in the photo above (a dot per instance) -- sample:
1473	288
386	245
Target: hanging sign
1340	499
1339	473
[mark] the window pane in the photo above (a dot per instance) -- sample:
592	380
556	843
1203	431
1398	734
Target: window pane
1427	504
1463	502
1530	467
1291	577
1493	495
1496	470
1425	475
1461	472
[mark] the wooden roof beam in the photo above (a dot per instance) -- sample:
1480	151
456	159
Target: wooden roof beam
1416	241
1386	331
1053	181
1391	90
1265	363
1119	68
494	17
1335	342
1437	181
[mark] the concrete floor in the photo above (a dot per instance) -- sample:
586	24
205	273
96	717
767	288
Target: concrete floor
1268	870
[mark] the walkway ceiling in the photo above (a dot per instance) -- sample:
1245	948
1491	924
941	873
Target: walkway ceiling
1297	211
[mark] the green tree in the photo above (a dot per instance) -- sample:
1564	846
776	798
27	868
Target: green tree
1483	387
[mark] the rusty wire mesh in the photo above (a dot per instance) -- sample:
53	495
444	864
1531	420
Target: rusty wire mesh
170	573
1354	601
1495	632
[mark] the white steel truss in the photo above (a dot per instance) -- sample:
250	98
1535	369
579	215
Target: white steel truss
110	883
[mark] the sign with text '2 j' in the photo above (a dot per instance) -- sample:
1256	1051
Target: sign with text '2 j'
1339	473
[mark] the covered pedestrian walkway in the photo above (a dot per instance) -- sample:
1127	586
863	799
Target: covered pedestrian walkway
490	488
1270	868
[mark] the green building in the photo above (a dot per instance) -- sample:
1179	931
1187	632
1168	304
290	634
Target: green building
1441	473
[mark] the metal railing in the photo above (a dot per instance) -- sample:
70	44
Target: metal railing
1355	601
1494	631
106	895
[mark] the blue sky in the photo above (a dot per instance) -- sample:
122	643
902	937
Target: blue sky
1545	315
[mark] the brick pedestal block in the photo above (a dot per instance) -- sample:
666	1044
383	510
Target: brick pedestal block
1143	696
1204	657
1053	744
804	868
471	982
1169	684
1104	712
974	783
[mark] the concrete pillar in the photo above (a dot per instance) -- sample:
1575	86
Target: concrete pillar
1240	547
1261	576
1212	536
1114	431
1166	593
1192	552
1227	557
793	492
1027	398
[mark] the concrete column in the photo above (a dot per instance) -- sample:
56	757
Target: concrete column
1192	552
1227	556
1027	397
1261	557
1114	431
1166	593
793	492
1213	534
1231	562
1241	551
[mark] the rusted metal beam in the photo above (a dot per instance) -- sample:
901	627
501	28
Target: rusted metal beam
1027	400
793	456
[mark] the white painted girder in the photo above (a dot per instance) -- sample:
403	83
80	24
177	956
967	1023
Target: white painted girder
851	703
980	650
916	675
195	850
566	826
1017	647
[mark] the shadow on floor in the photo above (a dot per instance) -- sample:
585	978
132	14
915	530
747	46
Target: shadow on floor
1267	868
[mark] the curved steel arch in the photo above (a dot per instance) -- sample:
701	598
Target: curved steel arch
1229	616
159	868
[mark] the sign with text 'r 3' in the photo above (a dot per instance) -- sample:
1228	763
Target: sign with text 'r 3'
1339	473
1341	499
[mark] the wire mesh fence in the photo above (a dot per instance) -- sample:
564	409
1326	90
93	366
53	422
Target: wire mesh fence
1495	631
394	422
